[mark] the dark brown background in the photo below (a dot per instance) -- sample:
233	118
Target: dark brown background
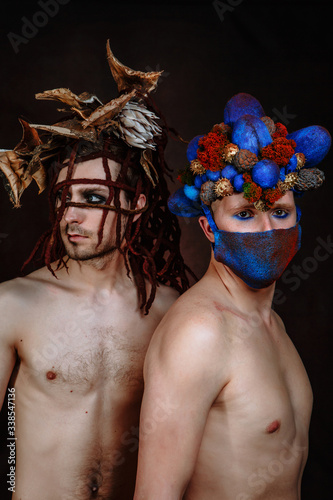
280	51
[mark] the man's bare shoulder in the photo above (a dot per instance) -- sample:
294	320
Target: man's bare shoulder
192	322
22	291
200	306
190	340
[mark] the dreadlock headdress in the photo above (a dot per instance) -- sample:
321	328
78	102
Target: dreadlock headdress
124	130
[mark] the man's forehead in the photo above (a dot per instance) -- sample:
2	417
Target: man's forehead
237	201
91	169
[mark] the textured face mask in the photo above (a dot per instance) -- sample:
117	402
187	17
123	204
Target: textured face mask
258	258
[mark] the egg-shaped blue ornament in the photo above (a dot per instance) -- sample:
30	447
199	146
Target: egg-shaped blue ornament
213	176
204	178
191	152
198	181
239	105
292	165
265	173
229	172
192	192
314	142
250	133
238	182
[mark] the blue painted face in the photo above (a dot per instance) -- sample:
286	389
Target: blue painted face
258	258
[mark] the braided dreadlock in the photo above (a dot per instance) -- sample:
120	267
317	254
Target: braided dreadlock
151	249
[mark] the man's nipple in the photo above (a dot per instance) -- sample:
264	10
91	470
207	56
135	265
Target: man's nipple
51	375
273	427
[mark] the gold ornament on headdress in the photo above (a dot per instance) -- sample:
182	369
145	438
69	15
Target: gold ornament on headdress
300	160
223	187
125	116
261	205
229	152
290	180
197	168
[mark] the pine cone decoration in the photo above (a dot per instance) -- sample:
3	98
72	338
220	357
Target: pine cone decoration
197	168
269	124
223	187
207	193
244	160
309	178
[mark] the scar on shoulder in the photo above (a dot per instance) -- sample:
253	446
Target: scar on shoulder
222	308
51	375
273	427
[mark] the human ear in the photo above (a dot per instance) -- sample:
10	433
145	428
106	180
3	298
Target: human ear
204	224
139	204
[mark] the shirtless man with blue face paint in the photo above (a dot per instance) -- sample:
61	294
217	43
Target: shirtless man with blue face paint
237	397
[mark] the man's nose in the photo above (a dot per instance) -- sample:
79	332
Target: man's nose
73	214
265	222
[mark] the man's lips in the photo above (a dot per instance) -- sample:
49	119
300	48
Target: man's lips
76	237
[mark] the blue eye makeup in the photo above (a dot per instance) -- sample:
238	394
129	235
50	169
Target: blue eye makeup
280	215
243	215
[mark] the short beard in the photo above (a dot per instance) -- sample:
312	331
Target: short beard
95	258
98	256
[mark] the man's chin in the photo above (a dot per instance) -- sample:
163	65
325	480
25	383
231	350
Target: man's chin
85	255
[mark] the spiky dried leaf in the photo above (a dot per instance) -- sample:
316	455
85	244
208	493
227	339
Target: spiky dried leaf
30	138
127	78
12	172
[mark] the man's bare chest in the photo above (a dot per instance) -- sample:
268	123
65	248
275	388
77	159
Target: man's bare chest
269	390
84	348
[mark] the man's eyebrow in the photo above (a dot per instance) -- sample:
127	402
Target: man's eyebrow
283	204
94	187
241	206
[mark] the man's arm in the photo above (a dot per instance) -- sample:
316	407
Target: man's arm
7	348
183	377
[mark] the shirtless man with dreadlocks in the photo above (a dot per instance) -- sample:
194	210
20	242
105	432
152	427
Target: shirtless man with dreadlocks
75	345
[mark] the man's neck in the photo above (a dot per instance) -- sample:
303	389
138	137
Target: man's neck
106	272
241	296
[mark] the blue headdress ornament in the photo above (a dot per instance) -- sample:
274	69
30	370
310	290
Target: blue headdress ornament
248	153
